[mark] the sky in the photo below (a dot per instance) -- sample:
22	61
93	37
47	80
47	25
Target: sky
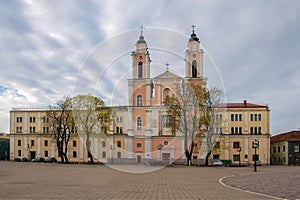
51	49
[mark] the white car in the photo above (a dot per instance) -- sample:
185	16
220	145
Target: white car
218	163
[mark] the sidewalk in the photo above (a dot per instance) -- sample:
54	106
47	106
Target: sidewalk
57	181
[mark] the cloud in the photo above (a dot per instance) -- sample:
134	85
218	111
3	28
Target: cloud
45	44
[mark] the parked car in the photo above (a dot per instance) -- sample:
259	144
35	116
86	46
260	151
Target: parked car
258	163
17	159
24	160
39	159
217	163
50	160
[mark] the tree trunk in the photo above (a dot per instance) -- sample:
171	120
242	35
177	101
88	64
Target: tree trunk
88	148
189	154
206	158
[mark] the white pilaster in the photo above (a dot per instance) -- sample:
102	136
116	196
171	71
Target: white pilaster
25	123
227	146
158	92
246	122
148	147
39	122
12	146
25	146
52	146
96	153
81	148
12	123
39	146
246	147
129	147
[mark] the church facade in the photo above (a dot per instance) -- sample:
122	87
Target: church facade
140	132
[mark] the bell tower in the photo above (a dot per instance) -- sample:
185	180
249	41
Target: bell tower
141	59
194	57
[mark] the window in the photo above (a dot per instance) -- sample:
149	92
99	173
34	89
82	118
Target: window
74	154
139	124
232	117
74	143
119	119
283	148
259	117
46	143
251	117
19	143
251	130
32	143
103	154
45	129
236	157
216	156
139	100
217	145
240	130
166	121
232	130
236	117
236	145
19	129
31	119
45	119
119	130
119	143
119	154
236	130
19	153
296	148
19	119
139	145
259	130
104	129
278	149
46	153
103	119
140	69
255	117
240	117
32	129
103	143
255	130
194	69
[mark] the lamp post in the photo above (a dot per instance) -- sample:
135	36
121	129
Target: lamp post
239	149
255	145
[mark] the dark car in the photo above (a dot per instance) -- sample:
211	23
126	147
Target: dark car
39	159
24	160
258	163
17	159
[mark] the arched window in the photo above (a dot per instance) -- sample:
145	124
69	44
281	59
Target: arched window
139	123
194	69
166	96
140	69
139	100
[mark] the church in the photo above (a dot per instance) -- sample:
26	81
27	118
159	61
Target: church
141	131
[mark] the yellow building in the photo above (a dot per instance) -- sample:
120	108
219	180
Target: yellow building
242	122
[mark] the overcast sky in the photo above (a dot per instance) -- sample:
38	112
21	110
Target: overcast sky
49	49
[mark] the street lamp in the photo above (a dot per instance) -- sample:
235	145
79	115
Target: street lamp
239	149
255	145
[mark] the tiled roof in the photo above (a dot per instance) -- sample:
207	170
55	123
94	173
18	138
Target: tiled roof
289	136
245	104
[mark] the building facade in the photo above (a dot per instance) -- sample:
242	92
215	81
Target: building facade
140	132
285	148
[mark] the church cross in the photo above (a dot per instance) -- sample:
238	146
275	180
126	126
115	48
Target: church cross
142	27
193	27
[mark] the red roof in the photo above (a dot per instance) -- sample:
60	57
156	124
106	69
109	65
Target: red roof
289	136
245	104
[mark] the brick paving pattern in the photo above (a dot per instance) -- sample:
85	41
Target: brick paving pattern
284	182
57	181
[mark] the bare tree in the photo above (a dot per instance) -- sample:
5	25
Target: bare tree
91	115
209	123
62	125
183	108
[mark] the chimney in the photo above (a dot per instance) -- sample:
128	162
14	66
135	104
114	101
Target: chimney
245	103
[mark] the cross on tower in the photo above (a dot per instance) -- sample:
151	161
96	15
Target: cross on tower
167	64
142	27
193	27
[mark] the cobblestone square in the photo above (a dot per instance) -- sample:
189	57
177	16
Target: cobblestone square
58	181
